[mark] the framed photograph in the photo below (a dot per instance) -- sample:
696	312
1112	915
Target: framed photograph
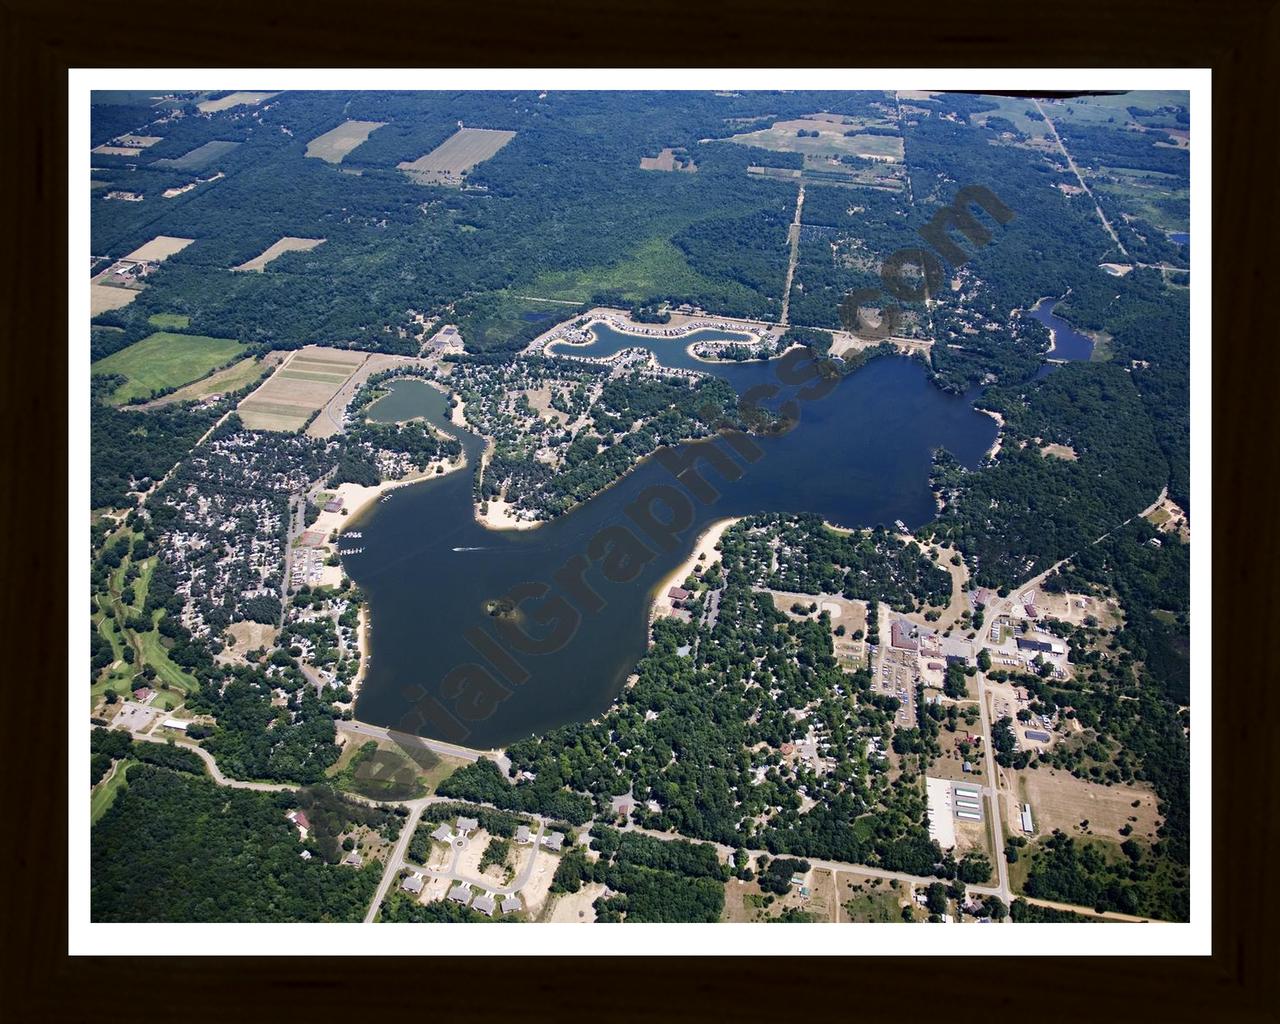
700	498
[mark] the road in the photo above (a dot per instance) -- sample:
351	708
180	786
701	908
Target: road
994	802
1080	178
212	765
499	890
793	234
396	858
403	740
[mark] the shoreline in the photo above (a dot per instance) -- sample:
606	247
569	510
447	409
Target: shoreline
994	450
705	543
364	497
362	645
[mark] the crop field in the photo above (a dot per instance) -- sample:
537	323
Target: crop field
104	297
127	145
159	248
235	99
232	378
334	145
200	157
301	386
138	141
165	360
449	161
286	244
668	160
166	321
831	140
1014	110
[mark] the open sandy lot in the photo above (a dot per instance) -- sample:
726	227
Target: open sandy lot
286	244
302	385
576	907
1060	800
1059	451
103	297
461	151
235	99
537	888
333	146
248	635
159	248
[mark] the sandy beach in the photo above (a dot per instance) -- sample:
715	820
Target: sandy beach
705	545
994	450
357	499
362	641
498	516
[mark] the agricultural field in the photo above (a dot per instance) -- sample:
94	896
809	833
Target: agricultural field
127	145
164	360
169	321
159	248
200	157
232	378
830	142
461	151
1161	199
235	99
333	146
286	244
1014	110
299	388
1061	801
105	297
669	160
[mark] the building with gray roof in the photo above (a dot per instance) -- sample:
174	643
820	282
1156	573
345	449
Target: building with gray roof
413	884
460	893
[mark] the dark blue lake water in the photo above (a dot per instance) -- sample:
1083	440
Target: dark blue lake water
859	456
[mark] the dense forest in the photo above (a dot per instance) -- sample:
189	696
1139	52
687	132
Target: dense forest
177	848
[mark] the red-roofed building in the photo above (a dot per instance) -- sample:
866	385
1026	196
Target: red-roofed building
900	637
300	820
678	594
1030	609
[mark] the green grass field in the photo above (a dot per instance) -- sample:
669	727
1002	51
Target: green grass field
169	320
657	267
165	360
148	647
105	794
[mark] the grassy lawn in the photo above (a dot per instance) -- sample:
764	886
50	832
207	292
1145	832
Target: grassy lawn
165	360
104	794
874	907
166	321
156	655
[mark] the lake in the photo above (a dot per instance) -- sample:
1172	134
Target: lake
859	456
1068	343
